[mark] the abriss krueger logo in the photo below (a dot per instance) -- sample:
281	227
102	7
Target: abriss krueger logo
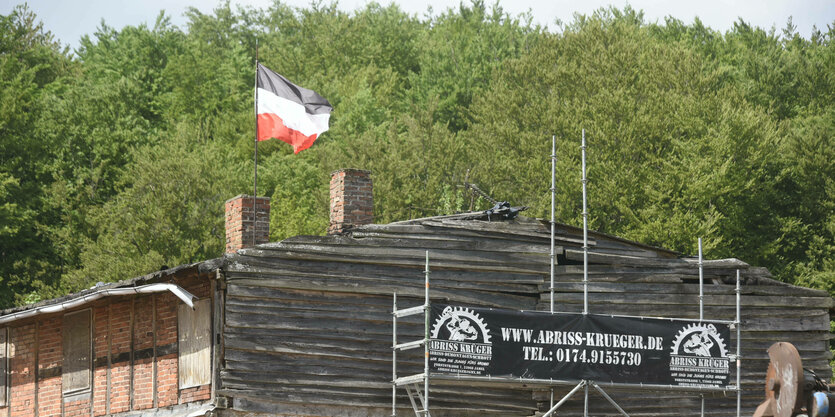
460	343
699	340
698	357
459	324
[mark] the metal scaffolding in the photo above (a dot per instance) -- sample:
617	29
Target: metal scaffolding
419	396
412	383
419	399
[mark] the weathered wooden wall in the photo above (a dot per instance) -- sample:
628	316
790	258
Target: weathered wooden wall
308	320
625	282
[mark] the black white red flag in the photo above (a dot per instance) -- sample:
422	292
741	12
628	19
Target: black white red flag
288	112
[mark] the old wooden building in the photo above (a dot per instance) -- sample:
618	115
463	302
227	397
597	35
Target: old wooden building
303	327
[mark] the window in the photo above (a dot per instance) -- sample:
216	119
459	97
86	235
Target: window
77	352
4	367
195	343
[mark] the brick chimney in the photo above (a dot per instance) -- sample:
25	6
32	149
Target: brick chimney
240	222
352	200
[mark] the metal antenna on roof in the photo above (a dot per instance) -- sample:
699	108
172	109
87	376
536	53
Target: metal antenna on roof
466	181
475	190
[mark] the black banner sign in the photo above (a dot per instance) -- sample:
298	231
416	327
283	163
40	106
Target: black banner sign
565	346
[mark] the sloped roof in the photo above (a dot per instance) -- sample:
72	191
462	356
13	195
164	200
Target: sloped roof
153	277
516	233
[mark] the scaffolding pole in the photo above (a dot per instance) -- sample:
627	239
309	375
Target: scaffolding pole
553	199
585	231
586	400
421	404
585	384
553	225
552	399
414	381
394	355
585	253
608	398
738	348
564	399
701	306
701	284
426	342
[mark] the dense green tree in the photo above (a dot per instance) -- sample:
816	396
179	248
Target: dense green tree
299	202
170	210
674	154
32	69
808	234
115	161
460	53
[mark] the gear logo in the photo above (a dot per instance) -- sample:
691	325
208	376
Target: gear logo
699	358
460	324
459	342
699	340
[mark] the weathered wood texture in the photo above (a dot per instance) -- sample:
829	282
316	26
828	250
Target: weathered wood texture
194	328
4	366
308	320
77	351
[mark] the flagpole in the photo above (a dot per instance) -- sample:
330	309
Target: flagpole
255	184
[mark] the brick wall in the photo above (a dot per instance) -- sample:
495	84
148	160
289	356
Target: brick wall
351	200
121	321
22	365
167	388
50	359
143	361
101	327
134	361
240	222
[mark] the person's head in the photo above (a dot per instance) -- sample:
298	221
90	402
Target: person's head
695	338
464	324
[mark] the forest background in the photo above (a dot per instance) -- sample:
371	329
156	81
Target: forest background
116	158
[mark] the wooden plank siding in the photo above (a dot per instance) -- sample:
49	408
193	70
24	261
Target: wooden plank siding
308	320
194	342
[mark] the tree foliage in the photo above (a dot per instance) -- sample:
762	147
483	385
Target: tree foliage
115	160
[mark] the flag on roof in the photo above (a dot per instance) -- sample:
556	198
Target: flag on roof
287	112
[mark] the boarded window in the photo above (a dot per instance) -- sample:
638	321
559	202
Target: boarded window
77	349
195	344
4	367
